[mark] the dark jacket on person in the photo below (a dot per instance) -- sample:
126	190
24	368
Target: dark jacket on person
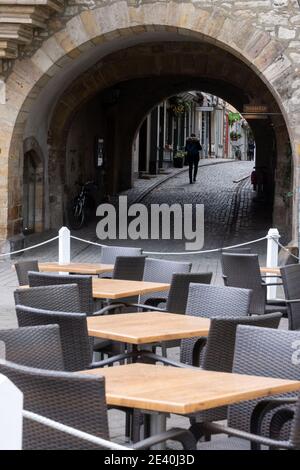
192	147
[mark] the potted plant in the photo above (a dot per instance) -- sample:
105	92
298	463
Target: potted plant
178	159
235	135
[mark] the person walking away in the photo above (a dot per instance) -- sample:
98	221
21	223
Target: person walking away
193	147
251	148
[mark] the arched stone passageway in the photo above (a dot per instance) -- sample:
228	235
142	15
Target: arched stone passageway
46	81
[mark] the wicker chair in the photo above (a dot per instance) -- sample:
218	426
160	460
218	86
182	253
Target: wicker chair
63	298
291	285
266	352
130	268
87	304
34	346
158	270
243	271
110	253
75	400
22	268
213	302
217	301
77	346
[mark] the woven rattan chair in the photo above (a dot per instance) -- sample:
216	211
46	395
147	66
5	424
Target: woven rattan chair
158	270
87	304
34	346
110	253
77	346
217	301
266	352
130	268
63	298
242	270
23	267
75	400
291	285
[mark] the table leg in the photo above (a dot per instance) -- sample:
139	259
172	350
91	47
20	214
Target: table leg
158	425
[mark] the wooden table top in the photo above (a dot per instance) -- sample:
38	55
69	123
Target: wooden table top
147	327
266	270
184	391
117	288
78	268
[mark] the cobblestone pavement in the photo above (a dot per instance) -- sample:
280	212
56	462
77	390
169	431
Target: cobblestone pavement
232	215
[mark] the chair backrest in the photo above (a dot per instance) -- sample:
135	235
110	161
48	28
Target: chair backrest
23	267
76	400
130	268
110	253
158	270
63	298
219	350
33	346
217	301
179	289
242	270
265	352
291	285
84	283
76	346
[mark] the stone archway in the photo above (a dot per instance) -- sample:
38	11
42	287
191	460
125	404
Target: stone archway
76	43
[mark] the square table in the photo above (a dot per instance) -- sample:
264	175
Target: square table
161	390
147	327
78	268
118	288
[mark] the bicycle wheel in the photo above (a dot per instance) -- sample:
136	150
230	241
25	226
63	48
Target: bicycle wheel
76	215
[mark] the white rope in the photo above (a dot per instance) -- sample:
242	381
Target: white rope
181	253
205	251
87	241
30	247
285	248
73	432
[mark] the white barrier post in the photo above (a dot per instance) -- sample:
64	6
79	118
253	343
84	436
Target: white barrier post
11	406
64	246
272	260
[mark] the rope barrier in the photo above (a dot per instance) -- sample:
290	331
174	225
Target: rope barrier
30	247
87	241
73	431
286	249
181	253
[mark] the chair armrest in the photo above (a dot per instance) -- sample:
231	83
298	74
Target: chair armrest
293	301
107	309
264	284
271	275
263	408
183	436
219	428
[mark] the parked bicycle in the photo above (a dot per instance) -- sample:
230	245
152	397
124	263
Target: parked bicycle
81	207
